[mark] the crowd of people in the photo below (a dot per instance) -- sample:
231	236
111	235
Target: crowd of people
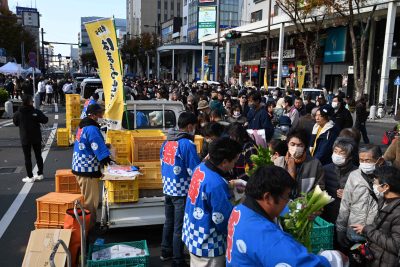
312	142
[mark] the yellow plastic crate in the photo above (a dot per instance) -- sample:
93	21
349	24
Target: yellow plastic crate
118	136
72	99
198	141
72	125
66	182
147	133
151	178
122	191
62	137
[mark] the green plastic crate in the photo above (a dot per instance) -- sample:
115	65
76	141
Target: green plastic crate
140	261
321	235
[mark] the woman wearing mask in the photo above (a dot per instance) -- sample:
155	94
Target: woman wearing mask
236	115
383	235
304	169
323	136
336	175
359	203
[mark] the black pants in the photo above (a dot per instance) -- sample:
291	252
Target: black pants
363	130
38	155
42	97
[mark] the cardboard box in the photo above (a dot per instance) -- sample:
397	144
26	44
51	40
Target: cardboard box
40	246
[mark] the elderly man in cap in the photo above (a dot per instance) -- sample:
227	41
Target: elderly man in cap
90	154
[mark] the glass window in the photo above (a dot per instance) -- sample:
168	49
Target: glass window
165	4
148	119
172	6
276	10
256	16
159	4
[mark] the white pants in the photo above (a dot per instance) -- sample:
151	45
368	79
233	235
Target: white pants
196	261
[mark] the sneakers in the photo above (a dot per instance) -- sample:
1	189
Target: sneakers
28	180
38	177
166	256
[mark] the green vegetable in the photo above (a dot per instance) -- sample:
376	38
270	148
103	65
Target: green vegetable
297	221
263	158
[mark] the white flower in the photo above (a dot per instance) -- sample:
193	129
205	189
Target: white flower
177	170
241	246
94	146
81	146
198	213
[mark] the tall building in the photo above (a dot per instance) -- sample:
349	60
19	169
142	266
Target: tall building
120	25
142	18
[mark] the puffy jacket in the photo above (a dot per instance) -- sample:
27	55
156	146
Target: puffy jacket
358	205
207	211
385	241
342	118
259	119
309	173
323	148
255	240
178	160
335	178
89	150
28	119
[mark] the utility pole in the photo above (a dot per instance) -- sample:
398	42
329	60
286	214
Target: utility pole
44	64
267	53
218	40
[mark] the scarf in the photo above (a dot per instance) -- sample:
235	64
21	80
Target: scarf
291	163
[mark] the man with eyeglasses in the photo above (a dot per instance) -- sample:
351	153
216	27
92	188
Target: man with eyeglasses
254	238
243	103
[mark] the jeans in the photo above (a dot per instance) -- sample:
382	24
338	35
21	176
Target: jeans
38	155
363	130
172	232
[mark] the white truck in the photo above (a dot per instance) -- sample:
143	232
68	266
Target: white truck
149	210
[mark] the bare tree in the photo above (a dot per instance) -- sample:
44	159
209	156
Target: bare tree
308	18
350	11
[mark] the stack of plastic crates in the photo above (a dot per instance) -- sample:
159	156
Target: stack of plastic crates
138	261
73	113
62	137
51	209
66	182
120	141
120	191
146	145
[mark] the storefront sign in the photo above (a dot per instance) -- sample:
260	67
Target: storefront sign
286	54
263	62
207	21
350	70
285	71
301	74
335	45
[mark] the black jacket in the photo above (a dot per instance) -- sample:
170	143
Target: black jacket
335	178
385	241
259	119
28	119
342	119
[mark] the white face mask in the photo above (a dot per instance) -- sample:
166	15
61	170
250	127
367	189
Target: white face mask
376	191
236	113
285	129
367	168
296	151
335	105
338	160
275	97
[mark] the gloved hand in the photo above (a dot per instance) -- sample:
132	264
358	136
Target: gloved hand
342	239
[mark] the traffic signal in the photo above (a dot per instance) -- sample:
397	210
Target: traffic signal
232	35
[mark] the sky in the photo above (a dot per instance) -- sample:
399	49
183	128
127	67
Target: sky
60	19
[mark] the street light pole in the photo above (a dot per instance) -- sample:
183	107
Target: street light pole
218	40
267	53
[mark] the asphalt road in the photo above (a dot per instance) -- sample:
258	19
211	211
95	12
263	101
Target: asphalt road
15	238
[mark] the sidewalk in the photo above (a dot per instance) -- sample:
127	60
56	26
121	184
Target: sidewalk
386	119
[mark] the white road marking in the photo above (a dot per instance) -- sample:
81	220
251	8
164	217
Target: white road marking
7	124
19	200
55	107
56	117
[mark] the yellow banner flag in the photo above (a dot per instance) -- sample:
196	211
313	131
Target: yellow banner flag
105	45
265	80
301	74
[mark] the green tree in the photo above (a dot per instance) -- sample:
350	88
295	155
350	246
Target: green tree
89	58
12	35
349	11
139	46
308	18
